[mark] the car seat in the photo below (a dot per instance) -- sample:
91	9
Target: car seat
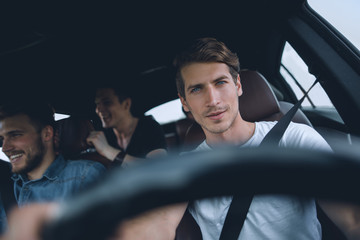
71	140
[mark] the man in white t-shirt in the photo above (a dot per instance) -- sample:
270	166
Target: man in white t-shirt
269	216
208	84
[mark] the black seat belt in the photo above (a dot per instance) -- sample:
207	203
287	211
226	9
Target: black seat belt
239	206
273	137
235	217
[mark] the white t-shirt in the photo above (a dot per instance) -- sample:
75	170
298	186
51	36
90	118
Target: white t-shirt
269	216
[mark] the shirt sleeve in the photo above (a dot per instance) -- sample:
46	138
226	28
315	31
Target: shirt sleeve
301	135
92	174
3	221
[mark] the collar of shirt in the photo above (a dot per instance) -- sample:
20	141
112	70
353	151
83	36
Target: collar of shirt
51	173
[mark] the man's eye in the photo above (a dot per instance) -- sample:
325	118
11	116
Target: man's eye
107	103
15	135
195	90
220	82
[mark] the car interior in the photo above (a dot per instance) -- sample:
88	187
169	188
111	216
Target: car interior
63	52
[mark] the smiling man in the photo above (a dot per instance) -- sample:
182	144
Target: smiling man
39	173
125	137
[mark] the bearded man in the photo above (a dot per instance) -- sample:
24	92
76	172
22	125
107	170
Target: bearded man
40	174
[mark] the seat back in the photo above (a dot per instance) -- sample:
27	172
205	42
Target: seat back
72	133
257	103
7	196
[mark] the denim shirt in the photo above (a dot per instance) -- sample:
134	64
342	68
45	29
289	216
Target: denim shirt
3	221
62	180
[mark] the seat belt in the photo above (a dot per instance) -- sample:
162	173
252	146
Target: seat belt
273	137
240	205
235	217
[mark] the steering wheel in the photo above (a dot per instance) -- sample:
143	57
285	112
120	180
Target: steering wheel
148	184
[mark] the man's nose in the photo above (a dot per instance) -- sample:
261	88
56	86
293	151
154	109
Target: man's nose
98	108
6	145
212	97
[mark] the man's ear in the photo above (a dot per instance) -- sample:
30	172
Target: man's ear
238	86
47	133
184	103
127	103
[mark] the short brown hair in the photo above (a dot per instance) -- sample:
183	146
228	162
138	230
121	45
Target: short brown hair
40	113
205	50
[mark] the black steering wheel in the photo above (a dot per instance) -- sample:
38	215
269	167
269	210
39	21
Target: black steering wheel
172	179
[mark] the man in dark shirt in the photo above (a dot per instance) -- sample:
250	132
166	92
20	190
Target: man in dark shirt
126	137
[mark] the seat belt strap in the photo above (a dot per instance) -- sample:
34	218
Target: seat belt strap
235	217
239	206
273	137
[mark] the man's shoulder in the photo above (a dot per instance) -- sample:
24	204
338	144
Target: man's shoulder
148	121
83	164
292	127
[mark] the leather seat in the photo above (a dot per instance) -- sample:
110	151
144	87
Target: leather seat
71	140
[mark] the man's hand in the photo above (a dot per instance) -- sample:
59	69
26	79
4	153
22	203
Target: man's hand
345	215
98	140
26	223
157	224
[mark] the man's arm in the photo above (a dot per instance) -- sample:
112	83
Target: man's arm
27	222
345	215
158	224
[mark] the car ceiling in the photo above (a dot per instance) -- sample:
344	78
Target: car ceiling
63	52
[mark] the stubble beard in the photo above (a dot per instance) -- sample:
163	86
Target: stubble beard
220	129
32	161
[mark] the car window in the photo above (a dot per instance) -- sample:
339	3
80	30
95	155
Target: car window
167	112
296	73
59	116
343	15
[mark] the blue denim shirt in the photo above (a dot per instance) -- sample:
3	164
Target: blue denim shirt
3	221
63	179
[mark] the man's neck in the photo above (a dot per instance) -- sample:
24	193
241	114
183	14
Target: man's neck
39	171
124	134
127	127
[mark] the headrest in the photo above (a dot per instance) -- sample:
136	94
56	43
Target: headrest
258	100
72	135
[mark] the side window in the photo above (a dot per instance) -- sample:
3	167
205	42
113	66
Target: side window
167	112
296	73
343	15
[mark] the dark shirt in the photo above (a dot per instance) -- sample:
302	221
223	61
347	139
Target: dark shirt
147	137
